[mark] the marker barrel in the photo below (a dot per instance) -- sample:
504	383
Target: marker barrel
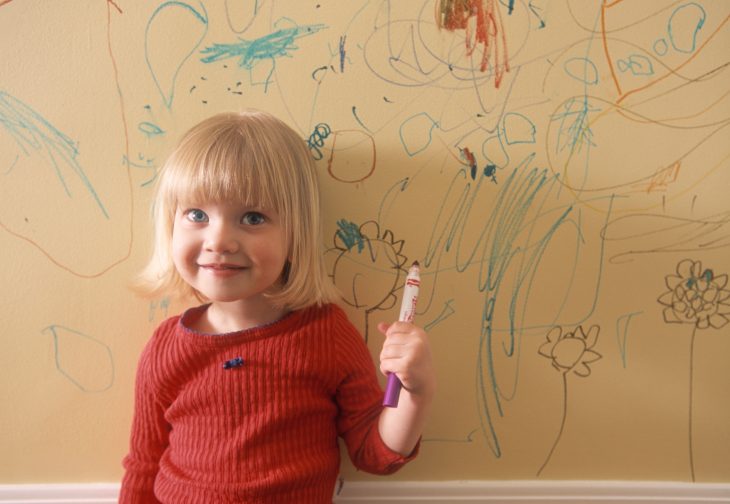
407	313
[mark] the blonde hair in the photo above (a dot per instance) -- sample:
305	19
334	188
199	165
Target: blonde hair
255	159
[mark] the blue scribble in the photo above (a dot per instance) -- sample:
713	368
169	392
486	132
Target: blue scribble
150	129
145	164
686	41
33	133
342	53
99	352
420	127
315	142
622	335
350	235
582	69
574	131
169	94
508	242
269	47
637	64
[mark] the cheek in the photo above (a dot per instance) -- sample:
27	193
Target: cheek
181	250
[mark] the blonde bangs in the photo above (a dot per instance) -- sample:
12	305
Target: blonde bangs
226	167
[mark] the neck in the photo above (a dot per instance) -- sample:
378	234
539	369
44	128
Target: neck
224	317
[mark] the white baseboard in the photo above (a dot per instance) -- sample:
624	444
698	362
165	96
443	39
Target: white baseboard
534	492
445	492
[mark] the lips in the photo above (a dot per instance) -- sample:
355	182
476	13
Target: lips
221	266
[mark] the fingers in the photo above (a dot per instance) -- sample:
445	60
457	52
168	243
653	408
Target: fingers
406	353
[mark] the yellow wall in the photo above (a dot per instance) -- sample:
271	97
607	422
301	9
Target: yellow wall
596	214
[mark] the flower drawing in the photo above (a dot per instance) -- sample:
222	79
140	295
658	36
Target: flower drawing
368	266
570	353
696	297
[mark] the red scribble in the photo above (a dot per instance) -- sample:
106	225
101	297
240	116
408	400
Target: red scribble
115	5
3	2
359	177
455	15
469	157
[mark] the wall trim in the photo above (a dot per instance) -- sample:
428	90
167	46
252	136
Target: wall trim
445	492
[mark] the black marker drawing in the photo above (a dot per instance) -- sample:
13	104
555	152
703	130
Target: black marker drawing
570	353
698	297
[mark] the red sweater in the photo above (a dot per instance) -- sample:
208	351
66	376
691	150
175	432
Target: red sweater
259	432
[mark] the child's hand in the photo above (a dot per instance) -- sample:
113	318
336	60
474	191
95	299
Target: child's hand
406	353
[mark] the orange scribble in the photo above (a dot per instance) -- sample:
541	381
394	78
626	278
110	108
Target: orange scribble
663	177
3	2
455	15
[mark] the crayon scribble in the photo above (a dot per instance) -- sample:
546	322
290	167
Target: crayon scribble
249	53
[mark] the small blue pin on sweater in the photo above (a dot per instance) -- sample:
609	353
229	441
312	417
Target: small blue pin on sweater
233	363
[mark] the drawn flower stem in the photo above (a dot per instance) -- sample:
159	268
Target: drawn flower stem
562	422
691	388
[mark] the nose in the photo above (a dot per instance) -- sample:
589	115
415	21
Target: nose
220	238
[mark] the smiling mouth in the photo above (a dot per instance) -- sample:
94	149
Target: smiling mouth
221	267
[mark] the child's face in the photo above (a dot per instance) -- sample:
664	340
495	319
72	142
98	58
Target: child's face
228	252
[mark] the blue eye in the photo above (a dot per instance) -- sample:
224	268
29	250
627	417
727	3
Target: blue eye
253	218
196	215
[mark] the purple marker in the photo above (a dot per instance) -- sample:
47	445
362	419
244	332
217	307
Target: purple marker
407	312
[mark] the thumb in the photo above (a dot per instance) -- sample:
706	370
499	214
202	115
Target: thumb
383	327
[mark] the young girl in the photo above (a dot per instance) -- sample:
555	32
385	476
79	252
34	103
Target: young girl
242	399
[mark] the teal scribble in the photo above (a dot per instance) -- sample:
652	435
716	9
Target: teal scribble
34	134
446	312
315	142
269	47
685	40
416	132
142	163
583	70
637	64
150	129
342	52
574	131
622	333
66	341
168	94
350	235
509	241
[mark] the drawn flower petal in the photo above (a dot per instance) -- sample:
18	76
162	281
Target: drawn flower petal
686	267
717	321
388	302
703	322
670	316
723	308
667	299
721	282
592	336
555	334
672	281
371	229
546	350
582	369
590	356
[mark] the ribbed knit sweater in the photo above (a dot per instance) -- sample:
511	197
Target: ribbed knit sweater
208	429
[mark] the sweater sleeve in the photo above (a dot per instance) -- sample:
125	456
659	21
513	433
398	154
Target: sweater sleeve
149	433
359	398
